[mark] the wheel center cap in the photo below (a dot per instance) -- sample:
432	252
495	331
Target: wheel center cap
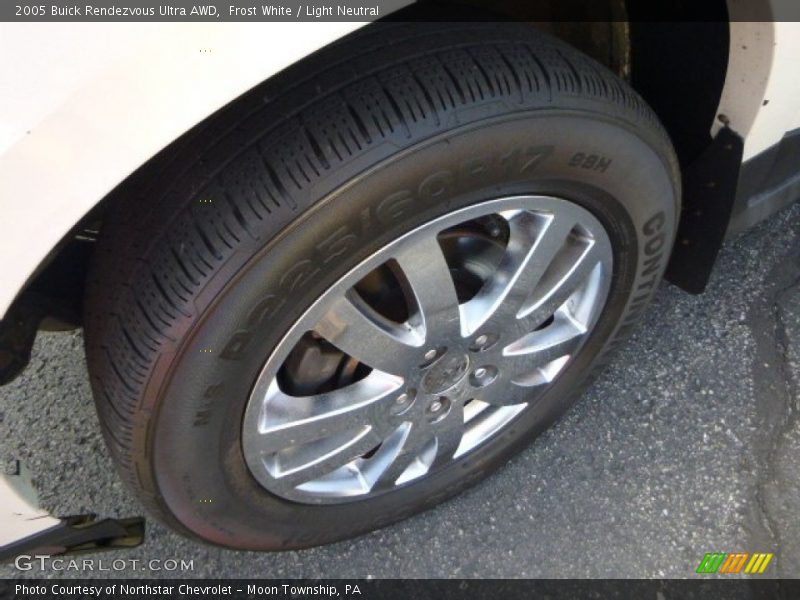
446	373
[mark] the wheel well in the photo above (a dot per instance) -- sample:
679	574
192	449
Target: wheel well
679	68
683	91
658	59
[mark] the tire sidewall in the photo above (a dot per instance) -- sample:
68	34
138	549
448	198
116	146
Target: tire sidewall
191	425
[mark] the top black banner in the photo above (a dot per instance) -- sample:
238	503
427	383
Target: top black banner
404	10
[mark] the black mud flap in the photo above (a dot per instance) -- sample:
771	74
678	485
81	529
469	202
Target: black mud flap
709	192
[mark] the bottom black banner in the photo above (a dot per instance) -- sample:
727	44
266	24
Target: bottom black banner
417	589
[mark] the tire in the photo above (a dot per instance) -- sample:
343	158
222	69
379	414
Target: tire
210	253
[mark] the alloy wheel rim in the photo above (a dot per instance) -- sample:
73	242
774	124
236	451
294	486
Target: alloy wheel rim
396	395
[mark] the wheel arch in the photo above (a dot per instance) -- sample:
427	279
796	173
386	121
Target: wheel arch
127	95
72	137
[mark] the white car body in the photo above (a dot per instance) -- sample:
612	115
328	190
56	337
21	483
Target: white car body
84	105
96	101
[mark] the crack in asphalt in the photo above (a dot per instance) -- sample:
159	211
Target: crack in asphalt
771	365
790	418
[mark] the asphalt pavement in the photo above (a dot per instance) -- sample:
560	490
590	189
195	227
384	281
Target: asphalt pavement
689	443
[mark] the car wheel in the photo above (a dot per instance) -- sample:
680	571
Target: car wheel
367	283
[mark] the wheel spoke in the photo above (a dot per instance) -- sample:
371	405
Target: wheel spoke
385	469
288	420
503	392
302	464
562	337
558	285
358	330
428	275
534	241
532	361
448	435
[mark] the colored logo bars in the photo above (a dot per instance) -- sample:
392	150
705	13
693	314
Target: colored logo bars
732	563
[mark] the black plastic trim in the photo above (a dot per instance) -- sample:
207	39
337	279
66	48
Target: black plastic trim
79	534
709	190
768	182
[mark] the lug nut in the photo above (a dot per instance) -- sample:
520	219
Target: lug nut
438	409
403	402
483	376
483	342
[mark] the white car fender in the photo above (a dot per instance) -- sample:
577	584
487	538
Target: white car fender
95	101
